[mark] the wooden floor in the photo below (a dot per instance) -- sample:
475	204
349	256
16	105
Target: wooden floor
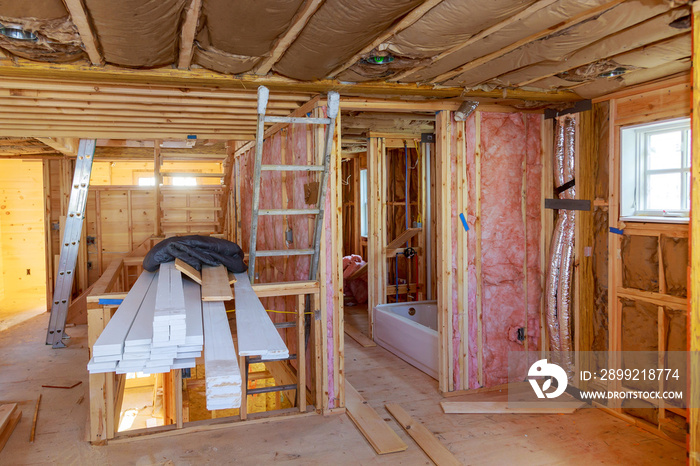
587	437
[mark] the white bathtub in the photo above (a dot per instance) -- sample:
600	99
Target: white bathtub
409	330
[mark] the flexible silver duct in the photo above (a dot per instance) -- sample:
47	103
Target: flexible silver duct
560	269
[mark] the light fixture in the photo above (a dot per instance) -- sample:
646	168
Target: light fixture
613	73
379	59
17	33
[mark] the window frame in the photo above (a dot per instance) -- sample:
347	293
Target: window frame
635	171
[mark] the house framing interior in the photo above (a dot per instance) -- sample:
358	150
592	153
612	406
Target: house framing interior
441	210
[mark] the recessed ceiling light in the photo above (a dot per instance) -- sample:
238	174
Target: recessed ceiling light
379	59
17	33
613	73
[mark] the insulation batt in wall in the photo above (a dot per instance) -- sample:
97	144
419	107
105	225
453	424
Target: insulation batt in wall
510	213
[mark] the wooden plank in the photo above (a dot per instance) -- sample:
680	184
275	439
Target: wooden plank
403	238
111	339
301	354
257	336
36	417
423	437
5	434
659	299
215	284
377	432
188	270
354	333
694	281
6	412
223	376
141	332
302	287
496	407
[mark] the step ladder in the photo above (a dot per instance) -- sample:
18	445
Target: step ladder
70	244
333	104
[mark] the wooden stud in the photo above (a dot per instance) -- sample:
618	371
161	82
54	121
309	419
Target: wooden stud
301	354
462	282
443	130
376	240
547	219
614	258
477	259
157	161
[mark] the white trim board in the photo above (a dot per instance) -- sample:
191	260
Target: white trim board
257	335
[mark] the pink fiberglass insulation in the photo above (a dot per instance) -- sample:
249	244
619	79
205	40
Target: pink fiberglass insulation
506	243
472	350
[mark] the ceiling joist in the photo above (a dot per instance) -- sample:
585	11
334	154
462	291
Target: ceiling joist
415	14
82	23
188	33
588	14
298	23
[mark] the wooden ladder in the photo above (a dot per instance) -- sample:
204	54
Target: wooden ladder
333	104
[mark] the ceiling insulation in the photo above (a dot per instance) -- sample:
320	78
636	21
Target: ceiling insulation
652	30
558	46
336	32
57	39
137	33
544	19
449	23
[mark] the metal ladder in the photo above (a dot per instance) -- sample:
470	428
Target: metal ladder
71	243
333	104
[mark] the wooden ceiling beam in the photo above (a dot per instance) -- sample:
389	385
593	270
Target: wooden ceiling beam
298	23
581	17
93	119
188	33
88	113
535	7
408	20
80	125
20	68
82	23
150	91
66	146
163	100
116	133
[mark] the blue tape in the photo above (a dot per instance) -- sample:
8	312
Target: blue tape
107	302
617	231
464	222
191	136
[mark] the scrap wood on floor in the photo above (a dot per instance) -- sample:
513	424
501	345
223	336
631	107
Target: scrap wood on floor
423	437
501	407
377	432
354	333
9	418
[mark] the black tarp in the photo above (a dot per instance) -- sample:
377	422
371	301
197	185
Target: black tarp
196	251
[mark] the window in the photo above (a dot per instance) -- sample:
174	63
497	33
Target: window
147	181
184	181
363	203
655	171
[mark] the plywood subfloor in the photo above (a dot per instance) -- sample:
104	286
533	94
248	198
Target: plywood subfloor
588	436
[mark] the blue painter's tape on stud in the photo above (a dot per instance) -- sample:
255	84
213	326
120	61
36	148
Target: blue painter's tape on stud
191	136
464	222
108	302
617	231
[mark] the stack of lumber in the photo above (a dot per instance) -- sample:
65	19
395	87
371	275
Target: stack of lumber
223	376
9	417
129	342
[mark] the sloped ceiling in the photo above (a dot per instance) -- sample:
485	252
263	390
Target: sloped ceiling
536	44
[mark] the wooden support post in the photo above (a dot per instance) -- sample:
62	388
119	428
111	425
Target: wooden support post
694	292
98	382
47	232
547	217
356	206
477	257
158	179
443	130
301	355
177	388
243	411
376	240
98	231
